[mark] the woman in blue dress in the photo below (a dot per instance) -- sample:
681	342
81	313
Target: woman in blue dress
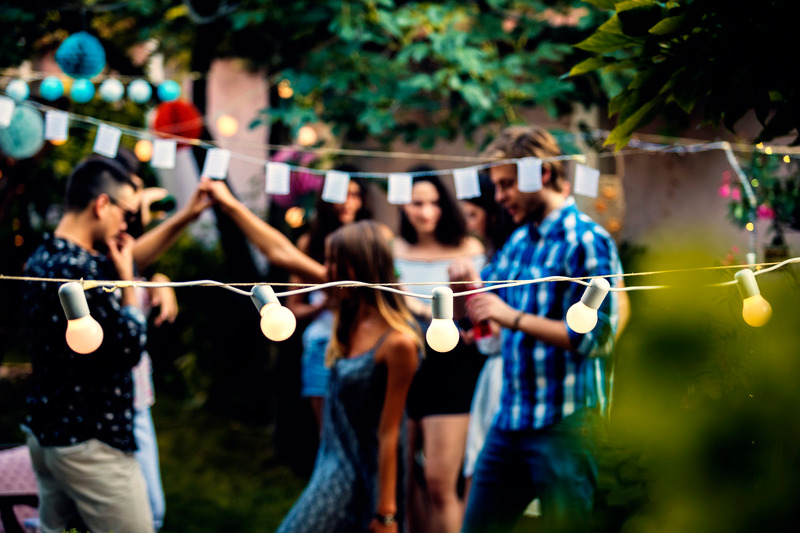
358	480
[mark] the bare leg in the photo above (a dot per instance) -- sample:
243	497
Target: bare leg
444	439
418	511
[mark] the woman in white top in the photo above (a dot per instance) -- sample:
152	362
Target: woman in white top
432	234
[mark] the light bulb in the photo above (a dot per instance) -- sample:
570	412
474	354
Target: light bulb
582	316
756	311
84	334
307	135
143	150
227	125
442	334
277	322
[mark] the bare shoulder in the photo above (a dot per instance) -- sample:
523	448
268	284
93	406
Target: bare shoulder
400	248
386	231
399	348
473	246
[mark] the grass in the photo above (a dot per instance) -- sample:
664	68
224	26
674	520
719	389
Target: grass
219	474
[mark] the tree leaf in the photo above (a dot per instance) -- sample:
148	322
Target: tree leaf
604	42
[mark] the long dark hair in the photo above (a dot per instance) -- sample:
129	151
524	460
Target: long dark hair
499	224
326	220
360	249
452	226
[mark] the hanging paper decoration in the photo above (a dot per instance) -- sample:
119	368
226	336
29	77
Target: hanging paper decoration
178	118
400	185
140	91
7	107
56	125
24	136
169	91
587	181
111	90
82	91
51	88
529	174
81	55
18	90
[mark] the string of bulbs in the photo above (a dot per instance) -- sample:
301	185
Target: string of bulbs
85	335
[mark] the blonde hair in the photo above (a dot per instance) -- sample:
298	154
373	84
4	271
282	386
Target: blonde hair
515	142
361	250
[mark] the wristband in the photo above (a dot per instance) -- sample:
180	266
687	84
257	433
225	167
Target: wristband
385	519
515	324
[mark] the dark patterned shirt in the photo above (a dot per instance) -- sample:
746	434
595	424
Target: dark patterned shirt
76	397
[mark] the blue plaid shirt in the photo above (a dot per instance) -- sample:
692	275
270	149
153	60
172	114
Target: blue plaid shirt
542	383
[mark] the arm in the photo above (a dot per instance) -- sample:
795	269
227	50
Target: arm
399	354
297	303
163	298
156	241
489	306
272	243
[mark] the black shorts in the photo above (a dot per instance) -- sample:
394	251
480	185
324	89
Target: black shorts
445	382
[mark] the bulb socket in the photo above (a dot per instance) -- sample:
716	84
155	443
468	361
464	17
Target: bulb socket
595	293
262	295
73	300
442	306
746	281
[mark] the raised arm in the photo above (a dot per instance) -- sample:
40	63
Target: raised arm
272	243
155	242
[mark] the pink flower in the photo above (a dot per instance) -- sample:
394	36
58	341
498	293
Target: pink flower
736	194
765	212
725	191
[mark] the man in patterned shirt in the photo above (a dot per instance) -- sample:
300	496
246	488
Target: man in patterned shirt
554	383
81	413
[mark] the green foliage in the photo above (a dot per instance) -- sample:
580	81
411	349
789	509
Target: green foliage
776	186
726	58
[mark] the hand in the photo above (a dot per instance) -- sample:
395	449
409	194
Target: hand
163	298
149	196
462	269
217	191
199	201
120	250
489	306
376	526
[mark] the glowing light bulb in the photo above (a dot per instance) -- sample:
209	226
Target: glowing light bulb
442	334
84	334
277	322
143	150
756	311
768	150
307	136
582	316
227	126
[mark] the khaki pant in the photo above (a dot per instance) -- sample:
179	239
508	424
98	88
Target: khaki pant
90	482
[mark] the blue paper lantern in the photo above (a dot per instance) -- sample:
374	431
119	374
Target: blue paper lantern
140	91
169	91
82	91
24	136
18	90
111	90
51	88
81	55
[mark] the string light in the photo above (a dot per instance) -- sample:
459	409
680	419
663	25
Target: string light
84	335
756	311
143	149
277	322
582	316
442	334
227	126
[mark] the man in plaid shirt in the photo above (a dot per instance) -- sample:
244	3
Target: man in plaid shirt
554	380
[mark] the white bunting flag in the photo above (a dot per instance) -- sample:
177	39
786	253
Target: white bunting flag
56	126
278	175
216	165
587	180
7	106
529	174
399	189
107	141
336	185
164	153
466	182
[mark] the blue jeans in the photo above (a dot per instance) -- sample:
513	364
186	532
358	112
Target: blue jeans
147	456
555	464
